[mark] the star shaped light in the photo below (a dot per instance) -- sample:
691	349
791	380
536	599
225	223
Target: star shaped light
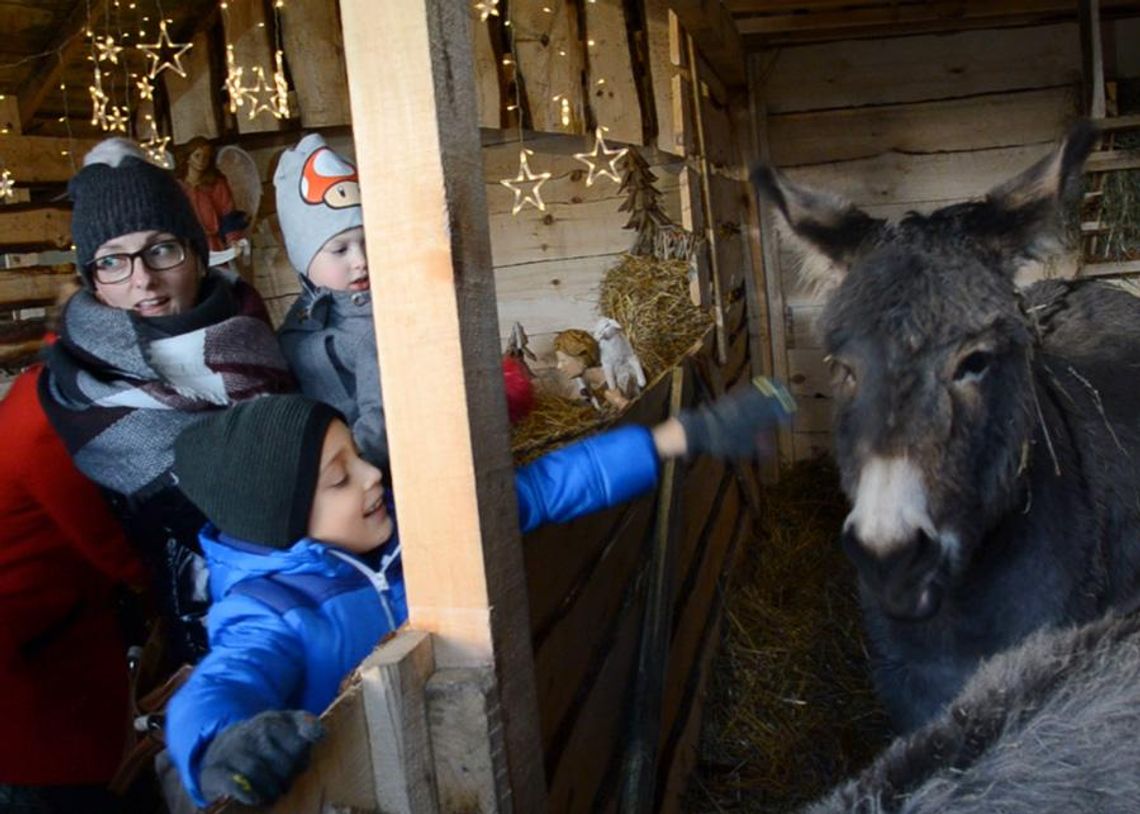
234	88
487	8
281	89
261	95
165	53
7	185
116	119
533	197
146	87
107	50
596	169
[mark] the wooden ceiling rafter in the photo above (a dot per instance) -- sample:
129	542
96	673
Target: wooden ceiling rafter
64	50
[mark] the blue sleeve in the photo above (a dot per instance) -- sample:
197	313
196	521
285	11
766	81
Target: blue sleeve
255	664
588	475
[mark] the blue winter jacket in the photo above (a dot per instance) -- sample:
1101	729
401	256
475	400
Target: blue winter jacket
288	625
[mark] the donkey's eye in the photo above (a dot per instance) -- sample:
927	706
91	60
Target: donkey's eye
973	365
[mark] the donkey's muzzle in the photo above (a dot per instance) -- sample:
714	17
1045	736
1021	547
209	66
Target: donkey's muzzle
908	581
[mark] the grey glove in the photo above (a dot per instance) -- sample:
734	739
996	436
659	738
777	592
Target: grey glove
732	426
255	760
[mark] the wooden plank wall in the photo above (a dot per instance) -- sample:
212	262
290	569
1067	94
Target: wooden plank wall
899	124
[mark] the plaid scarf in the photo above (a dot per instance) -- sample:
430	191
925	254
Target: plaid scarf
119	388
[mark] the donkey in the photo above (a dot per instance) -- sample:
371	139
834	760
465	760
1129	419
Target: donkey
1049	726
987	438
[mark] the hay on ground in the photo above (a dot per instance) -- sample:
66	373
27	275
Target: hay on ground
790	711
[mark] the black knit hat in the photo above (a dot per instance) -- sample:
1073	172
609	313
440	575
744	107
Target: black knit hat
252	469
132	195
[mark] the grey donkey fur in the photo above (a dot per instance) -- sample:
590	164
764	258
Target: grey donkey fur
1049	726
988	438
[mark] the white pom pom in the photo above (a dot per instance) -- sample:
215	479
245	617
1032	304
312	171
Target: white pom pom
112	151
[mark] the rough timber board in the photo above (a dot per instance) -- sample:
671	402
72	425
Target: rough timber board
915	69
612	90
487	85
461	563
546	46
246	26
579	639
947	125
599	730
661	70
314	48
194	99
39	228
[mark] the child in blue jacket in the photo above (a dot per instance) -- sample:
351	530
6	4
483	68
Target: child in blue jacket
305	572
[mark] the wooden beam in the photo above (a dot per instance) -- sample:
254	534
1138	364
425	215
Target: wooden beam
716	36
426	218
34	283
1092	59
1112	160
314	50
65	48
392	681
23	228
1126	267
42	159
247	30
769	252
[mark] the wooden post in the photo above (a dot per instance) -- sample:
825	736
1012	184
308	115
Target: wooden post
706	196
770	258
246	26
640	770
420	164
315	53
1092	59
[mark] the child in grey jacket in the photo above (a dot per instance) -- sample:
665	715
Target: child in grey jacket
327	336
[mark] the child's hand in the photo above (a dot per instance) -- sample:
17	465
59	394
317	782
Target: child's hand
734	426
254	761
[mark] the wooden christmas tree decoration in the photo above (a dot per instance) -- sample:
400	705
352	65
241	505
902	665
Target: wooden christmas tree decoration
642	202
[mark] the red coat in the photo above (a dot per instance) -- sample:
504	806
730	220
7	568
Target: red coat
63	676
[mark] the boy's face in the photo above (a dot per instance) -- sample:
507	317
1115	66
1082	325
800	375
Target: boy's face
348	504
341	264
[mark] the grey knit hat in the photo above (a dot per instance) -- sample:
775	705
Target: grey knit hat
252	469
318	197
120	192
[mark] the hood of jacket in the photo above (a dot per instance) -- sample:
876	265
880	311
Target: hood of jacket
318	307
232	560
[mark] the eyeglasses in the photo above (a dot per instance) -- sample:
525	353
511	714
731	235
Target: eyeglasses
116	268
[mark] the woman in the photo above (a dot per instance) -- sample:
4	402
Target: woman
63	666
152	341
210	194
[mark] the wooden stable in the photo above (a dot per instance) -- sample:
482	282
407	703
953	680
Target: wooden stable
564	670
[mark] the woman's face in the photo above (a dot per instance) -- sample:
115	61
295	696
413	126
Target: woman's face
200	158
149	293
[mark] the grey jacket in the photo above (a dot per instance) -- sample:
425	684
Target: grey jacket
328	339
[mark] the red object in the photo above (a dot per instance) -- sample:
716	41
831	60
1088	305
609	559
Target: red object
211	203
63	671
520	390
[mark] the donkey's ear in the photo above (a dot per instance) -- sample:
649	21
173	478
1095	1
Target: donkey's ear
1025	216
834	227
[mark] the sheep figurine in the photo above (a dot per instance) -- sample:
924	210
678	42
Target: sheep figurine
620	364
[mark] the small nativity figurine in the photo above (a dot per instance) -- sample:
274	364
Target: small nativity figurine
620	364
579	360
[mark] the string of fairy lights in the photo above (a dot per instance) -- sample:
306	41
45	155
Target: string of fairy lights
601	161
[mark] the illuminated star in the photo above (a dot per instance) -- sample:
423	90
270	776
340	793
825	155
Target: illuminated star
234	88
596	169
165	53
261	95
533	197
487	8
116	119
107	50
146	87
7	185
